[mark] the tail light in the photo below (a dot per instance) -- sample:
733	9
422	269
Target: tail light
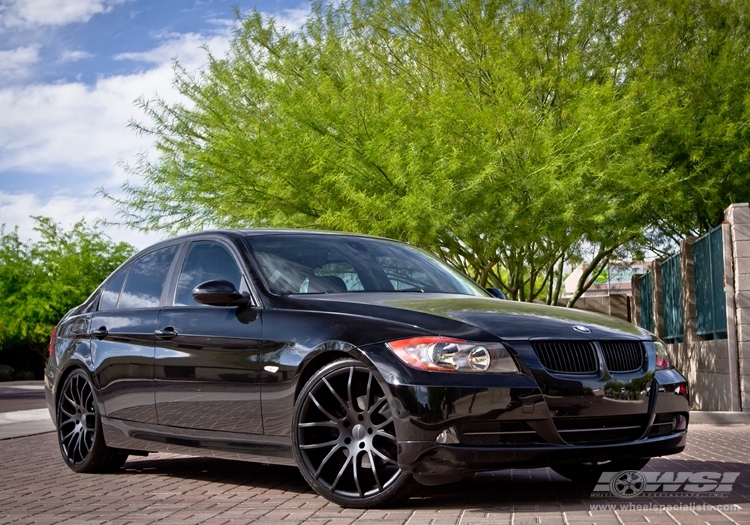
52	340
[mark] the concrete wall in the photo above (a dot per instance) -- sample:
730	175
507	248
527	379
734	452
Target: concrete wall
718	371
615	305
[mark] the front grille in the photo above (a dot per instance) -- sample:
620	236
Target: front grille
567	357
491	433
600	430
623	356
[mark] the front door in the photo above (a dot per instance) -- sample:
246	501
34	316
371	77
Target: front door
208	358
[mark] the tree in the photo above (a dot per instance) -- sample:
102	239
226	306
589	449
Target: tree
511	137
40	281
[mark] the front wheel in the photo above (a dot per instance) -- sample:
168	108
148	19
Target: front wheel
79	428
344	438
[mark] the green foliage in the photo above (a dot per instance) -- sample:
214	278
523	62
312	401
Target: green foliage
513	137
40	281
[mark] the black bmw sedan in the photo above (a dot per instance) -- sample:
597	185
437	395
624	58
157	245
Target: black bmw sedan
367	363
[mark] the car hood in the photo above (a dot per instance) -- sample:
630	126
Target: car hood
448	315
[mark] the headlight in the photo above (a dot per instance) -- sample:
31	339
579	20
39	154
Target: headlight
662	356
453	355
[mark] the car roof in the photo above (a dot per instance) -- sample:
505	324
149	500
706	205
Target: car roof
253	232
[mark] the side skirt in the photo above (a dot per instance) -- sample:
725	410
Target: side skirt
130	435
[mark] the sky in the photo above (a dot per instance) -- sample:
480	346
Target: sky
70	73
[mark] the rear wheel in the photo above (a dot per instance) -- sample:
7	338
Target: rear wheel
344	438
589	473
79	428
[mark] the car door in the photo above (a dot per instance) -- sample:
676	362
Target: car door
122	335
207	357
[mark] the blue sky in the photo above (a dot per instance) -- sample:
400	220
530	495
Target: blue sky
70	71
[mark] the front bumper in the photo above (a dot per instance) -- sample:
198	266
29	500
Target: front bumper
531	419
433	464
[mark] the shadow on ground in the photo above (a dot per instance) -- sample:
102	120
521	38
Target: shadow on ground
508	490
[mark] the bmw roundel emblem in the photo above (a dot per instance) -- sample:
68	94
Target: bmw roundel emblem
582	329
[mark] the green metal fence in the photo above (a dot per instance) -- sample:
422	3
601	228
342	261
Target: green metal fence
671	282
710	297
646	291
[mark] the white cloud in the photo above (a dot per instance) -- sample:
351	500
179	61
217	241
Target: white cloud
291	19
74	56
187	47
74	126
29	13
17	209
15	62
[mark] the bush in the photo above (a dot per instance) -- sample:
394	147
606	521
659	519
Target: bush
6	373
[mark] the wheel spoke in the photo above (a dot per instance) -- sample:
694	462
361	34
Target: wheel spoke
349	388
318	424
335	394
69	400
384	424
62	409
374	470
355	465
343	469
319	445
67	436
326	460
366	408
377	403
320	407
385	435
79	391
384	457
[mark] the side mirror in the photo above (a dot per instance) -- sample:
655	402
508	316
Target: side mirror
497	292
219	293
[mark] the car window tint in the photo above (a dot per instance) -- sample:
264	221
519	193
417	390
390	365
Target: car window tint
344	271
403	275
206	261
112	292
304	263
146	280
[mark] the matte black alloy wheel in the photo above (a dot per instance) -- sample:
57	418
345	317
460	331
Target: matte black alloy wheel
345	437
79	429
77	417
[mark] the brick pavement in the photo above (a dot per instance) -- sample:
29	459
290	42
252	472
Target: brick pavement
36	487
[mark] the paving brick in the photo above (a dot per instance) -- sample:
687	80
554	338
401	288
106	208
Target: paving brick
36	487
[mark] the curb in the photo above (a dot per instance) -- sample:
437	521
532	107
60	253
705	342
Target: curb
719	418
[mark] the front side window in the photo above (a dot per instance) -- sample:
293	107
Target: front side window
307	263
147	279
111	293
205	261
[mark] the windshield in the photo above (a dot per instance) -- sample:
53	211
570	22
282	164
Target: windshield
308	263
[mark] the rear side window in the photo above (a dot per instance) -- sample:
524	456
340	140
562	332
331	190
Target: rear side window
147	278
206	261
111	293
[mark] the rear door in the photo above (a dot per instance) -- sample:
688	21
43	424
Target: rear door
122	335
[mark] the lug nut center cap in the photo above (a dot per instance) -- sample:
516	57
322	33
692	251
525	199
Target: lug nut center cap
359	432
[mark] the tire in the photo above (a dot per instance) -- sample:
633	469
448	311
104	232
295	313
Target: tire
342	413
589	473
79	428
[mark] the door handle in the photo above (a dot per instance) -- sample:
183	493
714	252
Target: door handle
166	334
100	333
